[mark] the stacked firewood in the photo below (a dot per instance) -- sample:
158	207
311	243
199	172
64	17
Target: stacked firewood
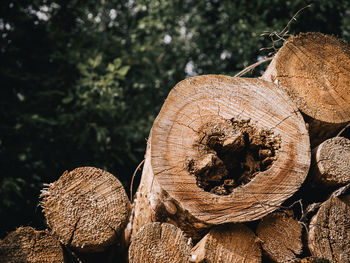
235	170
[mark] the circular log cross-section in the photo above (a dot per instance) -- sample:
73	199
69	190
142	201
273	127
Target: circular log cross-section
314	69
329	233
234	243
160	242
87	209
32	246
331	162
228	149
281	236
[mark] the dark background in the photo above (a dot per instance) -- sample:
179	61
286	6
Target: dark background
82	81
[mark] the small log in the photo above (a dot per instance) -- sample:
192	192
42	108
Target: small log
310	260
87	209
29	245
313	69
329	231
161	243
281	236
221	150
331	163
234	243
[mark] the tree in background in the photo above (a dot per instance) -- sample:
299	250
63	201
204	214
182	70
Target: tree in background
82	81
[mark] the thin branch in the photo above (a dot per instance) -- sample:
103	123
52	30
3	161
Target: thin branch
342	130
133	176
281	36
284	31
253	66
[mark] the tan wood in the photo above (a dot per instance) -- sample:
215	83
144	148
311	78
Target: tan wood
87	209
221	150
310	260
31	246
281	236
314	69
329	232
161	243
234	243
331	163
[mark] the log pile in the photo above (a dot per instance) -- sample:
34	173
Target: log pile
235	170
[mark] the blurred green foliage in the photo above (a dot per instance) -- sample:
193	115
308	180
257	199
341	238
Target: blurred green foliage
82	81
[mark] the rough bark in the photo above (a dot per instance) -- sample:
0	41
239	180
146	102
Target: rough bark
161	243
314	70
281	236
29	245
329	232
221	150
87	209
331	163
234	243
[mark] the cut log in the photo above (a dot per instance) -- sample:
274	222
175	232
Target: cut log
221	150
161	243
281	236
29	245
314	69
331	163
234	243
329	231
87	209
310	260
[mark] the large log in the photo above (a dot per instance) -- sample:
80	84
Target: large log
330	166
314	69
221	150
161	243
87	209
329	231
31	246
281	236
234	243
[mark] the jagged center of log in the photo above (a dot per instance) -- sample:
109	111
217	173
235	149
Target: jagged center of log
230	154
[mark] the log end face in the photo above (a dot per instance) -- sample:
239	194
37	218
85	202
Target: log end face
281	236
332	161
29	245
87	208
207	116
313	69
228	243
329	233
160	242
